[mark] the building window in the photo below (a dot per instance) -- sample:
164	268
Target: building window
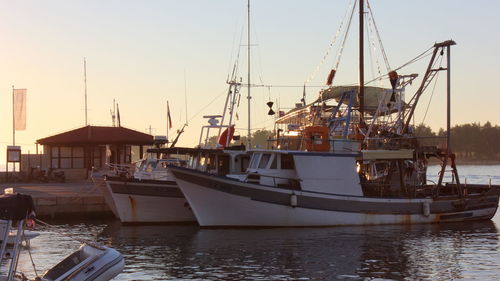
68	157
54	151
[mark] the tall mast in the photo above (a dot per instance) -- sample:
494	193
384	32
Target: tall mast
361	95
13	121
448	100
249	137
85	86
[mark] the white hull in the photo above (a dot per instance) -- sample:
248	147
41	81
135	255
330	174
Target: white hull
219	208
136	208
89	263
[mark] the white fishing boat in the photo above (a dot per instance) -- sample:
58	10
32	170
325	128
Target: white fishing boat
151	195
91	262
142	169
347	163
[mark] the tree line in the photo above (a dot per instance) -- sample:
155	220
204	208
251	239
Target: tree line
471	142
468	141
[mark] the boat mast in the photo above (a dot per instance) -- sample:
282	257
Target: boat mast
85	86
249	137
361	95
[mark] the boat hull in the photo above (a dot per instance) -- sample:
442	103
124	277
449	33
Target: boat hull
149	201
89	263
220	201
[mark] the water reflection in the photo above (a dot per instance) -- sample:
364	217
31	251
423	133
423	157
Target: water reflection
418	252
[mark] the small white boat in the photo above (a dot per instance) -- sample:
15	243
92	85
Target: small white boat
90	262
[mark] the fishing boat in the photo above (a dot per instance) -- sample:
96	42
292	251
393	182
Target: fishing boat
91	262
345	160
151	195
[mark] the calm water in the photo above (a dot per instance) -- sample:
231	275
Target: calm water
462	251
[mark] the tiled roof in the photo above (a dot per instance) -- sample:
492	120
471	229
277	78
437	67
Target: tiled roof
98	135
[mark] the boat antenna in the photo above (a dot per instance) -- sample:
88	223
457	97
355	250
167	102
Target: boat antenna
85	86
113	111
361	95
249	137
185	97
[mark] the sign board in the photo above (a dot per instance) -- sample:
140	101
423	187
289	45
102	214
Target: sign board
13	153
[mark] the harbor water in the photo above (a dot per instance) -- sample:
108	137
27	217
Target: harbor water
453	251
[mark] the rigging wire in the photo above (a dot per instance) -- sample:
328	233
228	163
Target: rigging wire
210	103
341	50
28	245
433	89
378	36
429	80
372	44
415	59
330	46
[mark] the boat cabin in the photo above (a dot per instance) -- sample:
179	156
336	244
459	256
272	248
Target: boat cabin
319	172
221	162
156	168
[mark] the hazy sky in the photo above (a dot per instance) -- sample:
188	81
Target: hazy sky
138	51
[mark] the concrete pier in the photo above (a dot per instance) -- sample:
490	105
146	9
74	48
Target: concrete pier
71	200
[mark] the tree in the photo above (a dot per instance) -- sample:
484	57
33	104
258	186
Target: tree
426	134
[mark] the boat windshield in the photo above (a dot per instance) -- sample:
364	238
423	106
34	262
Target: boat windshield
264	160
254	160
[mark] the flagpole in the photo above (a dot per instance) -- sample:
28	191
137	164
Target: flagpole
85	86
13	128
168	119
13	119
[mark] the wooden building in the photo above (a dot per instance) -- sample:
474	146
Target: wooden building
78	151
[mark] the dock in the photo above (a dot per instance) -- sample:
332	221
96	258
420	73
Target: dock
70	200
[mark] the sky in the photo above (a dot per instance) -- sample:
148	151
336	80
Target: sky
143	53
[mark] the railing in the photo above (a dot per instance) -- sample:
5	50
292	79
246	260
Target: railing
121	169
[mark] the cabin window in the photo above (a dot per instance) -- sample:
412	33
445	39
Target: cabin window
264	160
223	165
241	163
254	161
274	164
192	161
150	167
287	162
211	162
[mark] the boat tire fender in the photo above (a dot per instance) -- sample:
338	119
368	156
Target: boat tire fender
426	209
293	200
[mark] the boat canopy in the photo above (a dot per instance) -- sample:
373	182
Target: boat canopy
15	206
373	97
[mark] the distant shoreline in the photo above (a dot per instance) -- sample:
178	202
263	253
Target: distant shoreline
469	162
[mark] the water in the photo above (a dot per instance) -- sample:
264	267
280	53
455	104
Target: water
455	251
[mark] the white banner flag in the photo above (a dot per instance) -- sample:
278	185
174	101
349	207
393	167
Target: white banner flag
20	109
